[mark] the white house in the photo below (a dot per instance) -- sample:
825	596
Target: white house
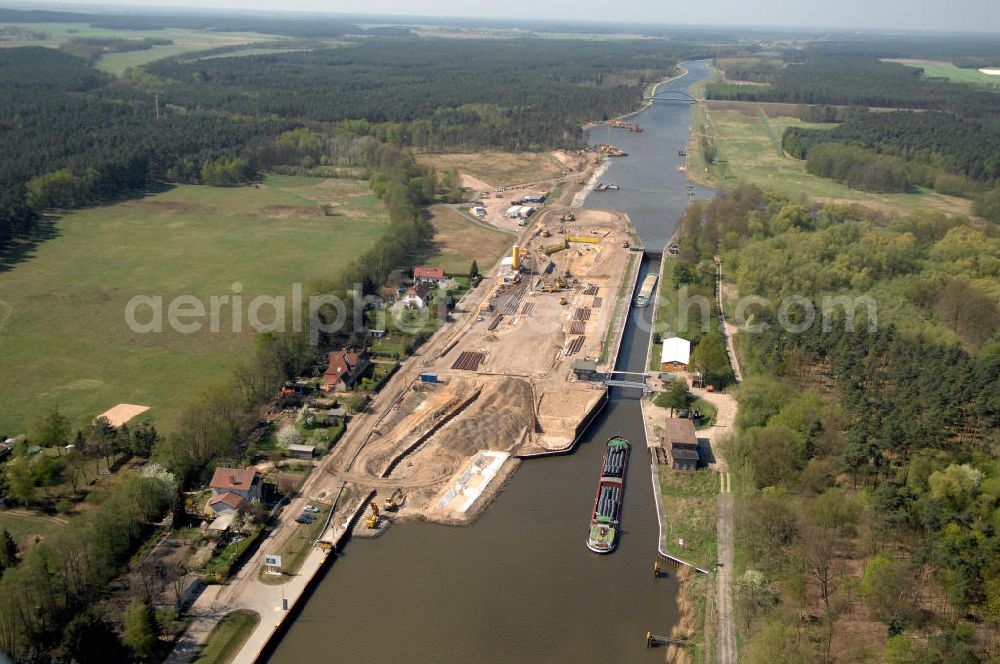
676	355
417	297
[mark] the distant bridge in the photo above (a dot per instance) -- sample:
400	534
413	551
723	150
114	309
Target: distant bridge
672	95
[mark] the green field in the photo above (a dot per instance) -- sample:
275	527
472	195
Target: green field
23	526
689	514
228	637
749	150
458	241
63	336
185	41
935	69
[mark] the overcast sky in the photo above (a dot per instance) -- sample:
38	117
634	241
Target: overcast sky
933	15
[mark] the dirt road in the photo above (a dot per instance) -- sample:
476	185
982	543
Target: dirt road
724	544
724	579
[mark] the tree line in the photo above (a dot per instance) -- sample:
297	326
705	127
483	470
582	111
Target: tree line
56	581
510	94
940	140
859	168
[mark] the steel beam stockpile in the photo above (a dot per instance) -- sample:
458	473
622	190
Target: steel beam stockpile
509	308
528	308
614	464
591	290
607	501
575	345
495	322
597	302
583	313
469	361
577	327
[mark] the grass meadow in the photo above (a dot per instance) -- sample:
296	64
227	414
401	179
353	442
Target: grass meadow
749	150
936	69
458	241
64	340
185	41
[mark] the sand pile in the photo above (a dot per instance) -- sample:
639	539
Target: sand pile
495	421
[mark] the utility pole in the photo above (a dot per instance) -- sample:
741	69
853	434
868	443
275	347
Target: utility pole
157	101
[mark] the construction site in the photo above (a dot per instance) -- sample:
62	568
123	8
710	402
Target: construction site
498	384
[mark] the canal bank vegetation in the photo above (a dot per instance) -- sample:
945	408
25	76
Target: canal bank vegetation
228	637
864	460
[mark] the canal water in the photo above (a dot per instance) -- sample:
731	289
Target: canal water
519	585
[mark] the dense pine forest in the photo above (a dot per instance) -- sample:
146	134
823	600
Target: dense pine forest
466	94
862	81
865	457
963	147
70	135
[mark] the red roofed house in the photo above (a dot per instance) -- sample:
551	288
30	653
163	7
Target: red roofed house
433	274
344	369
233	488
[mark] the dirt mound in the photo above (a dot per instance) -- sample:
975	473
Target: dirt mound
495	421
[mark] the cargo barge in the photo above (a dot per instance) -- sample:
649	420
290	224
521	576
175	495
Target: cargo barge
646	290
608	501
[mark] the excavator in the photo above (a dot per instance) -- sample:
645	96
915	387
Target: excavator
391	504
372	521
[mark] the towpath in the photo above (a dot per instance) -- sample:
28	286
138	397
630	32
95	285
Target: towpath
724	527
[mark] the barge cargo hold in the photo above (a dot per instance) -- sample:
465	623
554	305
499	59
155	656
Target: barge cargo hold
608	501
646	291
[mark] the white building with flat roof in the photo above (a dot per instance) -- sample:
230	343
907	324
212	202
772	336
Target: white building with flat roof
675	355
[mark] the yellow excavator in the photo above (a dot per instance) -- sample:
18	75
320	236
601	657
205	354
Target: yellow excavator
372	521
391	504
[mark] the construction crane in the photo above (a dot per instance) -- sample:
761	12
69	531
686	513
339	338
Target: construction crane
372	521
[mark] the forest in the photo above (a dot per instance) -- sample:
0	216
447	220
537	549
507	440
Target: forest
941	140
311	27
507	94
863	81
864	457
71	136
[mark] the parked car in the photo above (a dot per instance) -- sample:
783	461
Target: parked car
310	508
